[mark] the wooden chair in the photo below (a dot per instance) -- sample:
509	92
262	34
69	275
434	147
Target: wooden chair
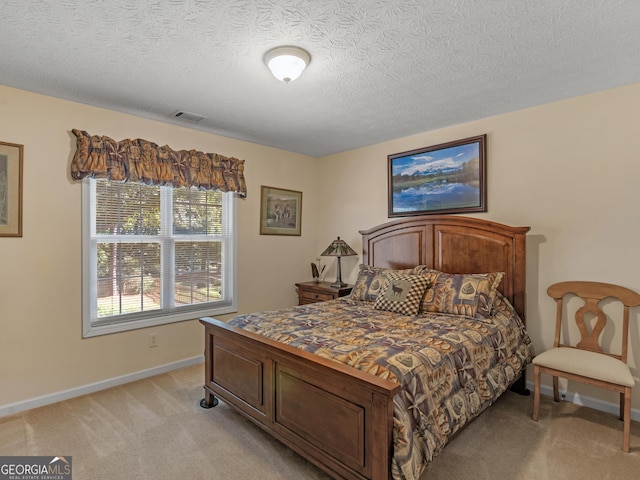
587	362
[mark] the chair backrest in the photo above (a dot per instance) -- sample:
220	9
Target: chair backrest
592	293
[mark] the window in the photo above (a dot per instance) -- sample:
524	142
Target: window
155	255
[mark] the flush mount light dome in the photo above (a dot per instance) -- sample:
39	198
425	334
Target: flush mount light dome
287	63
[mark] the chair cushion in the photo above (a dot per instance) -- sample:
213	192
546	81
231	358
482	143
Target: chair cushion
587	364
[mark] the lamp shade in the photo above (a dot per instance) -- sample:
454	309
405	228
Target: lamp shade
287	63
338	248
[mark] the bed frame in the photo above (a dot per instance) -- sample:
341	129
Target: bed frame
335	416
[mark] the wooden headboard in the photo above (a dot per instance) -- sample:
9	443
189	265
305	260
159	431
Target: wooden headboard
452	244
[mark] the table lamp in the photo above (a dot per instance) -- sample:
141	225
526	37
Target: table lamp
338	248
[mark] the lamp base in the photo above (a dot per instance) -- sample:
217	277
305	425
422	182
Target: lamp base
339	283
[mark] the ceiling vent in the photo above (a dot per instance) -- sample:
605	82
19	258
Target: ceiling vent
188	116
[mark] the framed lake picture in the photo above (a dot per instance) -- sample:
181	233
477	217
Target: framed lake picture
280	211
445	178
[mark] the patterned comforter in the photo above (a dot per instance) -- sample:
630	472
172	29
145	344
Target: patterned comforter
451	367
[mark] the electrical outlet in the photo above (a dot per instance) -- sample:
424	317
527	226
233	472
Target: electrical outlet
153	340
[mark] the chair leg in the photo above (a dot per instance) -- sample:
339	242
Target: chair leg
621	417
536	392
627	420
556	396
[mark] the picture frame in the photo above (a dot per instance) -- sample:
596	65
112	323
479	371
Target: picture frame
280	211
11	189
440	179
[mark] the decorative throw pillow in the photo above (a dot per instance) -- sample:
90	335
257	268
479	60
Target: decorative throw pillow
369	282
471	295
423	270
402	293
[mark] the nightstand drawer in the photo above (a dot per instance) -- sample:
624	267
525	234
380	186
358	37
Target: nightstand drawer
311	292
310	296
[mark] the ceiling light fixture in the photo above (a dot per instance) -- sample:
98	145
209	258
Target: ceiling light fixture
287	63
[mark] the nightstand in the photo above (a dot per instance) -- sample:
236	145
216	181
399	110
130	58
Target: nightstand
311	292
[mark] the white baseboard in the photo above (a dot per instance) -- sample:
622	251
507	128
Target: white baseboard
95	387
585	401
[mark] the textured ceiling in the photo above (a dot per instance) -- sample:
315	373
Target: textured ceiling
380	69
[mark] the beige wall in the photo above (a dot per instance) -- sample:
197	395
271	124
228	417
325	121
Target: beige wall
41	348
569	170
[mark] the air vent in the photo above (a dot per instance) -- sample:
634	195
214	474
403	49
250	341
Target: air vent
188	116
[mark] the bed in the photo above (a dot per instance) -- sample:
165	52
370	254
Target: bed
339	401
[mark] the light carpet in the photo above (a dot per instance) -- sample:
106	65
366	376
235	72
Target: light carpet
155	429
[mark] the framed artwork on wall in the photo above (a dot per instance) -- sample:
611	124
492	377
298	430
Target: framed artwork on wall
10	189
280	211
445	178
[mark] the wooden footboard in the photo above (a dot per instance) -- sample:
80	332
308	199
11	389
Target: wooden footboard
335	416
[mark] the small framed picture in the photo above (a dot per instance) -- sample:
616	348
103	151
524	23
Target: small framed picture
280	211
445	178
10	190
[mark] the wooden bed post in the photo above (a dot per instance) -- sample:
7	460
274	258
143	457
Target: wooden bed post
209	400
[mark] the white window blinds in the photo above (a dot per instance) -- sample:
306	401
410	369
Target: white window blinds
155	255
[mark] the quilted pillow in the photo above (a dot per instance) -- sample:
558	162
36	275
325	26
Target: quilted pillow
471	294
369	282
402	293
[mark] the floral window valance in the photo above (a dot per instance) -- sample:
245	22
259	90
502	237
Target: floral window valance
145	162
